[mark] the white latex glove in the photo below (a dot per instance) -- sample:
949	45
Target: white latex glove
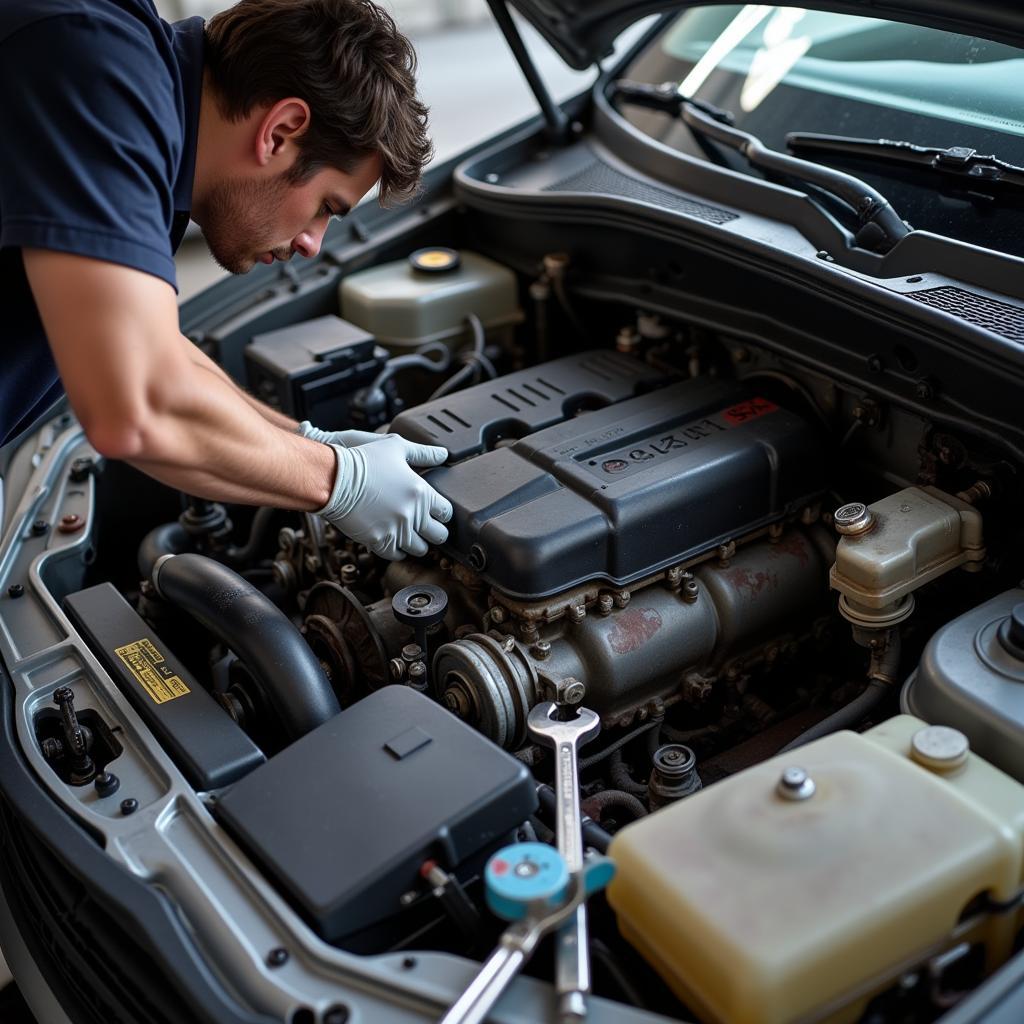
346	438
379	501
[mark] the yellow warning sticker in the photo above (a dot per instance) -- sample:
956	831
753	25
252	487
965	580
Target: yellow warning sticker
151	671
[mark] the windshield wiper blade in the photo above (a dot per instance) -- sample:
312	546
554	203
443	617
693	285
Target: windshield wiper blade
879	226
966	165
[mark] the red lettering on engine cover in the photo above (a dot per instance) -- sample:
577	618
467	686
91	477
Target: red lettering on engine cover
751	410
633	628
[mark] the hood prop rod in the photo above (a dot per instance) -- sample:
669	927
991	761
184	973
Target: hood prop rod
559	128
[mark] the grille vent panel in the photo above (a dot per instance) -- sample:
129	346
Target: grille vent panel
998	317
599	178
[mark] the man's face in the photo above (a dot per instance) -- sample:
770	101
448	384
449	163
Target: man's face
260	219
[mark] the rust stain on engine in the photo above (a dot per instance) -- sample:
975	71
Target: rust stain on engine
751	582
792	544
633	628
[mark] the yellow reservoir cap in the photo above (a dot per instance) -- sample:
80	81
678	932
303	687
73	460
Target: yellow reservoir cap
436	260
758	908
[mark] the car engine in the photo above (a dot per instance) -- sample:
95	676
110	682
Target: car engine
791	605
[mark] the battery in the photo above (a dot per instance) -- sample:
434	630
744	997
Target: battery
312	370
202	740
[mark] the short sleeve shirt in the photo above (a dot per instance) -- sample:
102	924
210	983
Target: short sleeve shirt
99	124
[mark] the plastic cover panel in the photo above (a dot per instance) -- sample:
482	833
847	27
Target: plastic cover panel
624	491
598	177
343	818
995	316
476	419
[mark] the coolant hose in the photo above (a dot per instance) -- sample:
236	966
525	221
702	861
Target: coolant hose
166	539
273	650
607	799
621	779
883	669
174	539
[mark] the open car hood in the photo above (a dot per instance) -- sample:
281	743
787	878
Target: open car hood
582	31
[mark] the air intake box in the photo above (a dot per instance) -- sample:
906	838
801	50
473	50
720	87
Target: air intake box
344	817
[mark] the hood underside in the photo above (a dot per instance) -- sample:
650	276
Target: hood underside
583	31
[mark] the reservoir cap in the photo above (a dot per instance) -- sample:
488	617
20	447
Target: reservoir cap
435	260
939	748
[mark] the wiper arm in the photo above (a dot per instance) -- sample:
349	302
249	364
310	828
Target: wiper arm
962	163
880	227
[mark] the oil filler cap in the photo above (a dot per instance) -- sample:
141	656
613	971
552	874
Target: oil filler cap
435	260
939	748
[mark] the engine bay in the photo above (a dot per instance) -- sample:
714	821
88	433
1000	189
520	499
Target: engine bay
793	605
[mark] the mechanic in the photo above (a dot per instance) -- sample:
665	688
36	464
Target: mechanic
261	125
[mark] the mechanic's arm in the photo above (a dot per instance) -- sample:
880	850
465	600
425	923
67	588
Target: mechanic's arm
270	414
140	396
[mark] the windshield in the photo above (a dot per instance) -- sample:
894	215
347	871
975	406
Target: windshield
783	69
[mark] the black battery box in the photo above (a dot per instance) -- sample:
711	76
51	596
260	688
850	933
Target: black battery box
343	819
311	370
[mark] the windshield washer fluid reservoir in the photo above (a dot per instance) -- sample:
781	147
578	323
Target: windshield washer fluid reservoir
758	908
404	307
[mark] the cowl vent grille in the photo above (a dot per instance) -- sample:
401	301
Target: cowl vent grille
599	178
991	314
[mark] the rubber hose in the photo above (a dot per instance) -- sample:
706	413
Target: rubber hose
845	718
607	798
621	779
167	539
593	835
589	762
883	669
273	650
262	524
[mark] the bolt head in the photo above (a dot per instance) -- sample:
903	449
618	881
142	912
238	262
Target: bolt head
497	614
277	957
15	590
106	783
336	1015
571	691
39	527
541	649
129	806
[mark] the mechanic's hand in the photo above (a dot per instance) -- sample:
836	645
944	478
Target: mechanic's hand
379	501
346	438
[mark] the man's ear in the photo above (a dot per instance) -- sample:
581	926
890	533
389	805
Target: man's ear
279	128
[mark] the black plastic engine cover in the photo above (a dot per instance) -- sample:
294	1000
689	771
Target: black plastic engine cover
627	490
476	419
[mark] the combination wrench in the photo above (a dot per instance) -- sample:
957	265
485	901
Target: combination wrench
572	964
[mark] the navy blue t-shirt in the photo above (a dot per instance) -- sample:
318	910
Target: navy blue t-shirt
98	123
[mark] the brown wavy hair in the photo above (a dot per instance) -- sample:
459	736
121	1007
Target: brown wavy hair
348	61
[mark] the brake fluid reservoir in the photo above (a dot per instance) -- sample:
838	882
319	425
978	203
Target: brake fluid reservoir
762	903
428	296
